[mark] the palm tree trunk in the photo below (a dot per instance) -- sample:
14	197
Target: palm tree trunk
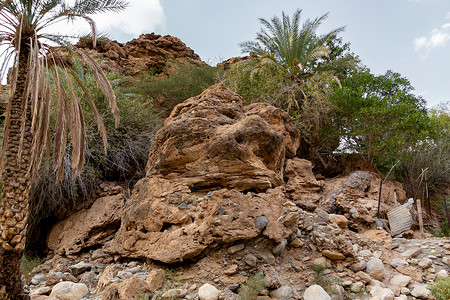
16	186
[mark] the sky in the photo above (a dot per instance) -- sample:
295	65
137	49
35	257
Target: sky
411	37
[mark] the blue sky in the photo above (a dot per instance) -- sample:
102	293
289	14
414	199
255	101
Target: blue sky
411	37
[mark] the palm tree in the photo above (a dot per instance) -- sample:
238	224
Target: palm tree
294	49
42	64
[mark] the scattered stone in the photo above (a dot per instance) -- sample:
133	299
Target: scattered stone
174	294
412	253
425	263
333	254
357	287
236	248
364	277
375	268
280	247
284	292
421	292
359	266
52	279
397	262
261	222
316	292
67	290
233	269
38	278
132	287
44	290
380	293
365	253
251	260
208	292
340	220
400	280
80	268
442	273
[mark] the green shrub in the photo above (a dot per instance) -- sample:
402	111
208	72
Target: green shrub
27	264
252	287
441	288
185	80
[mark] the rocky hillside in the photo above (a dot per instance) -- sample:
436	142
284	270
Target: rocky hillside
148	52
226	211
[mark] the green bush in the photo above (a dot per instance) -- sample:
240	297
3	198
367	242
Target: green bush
184	80
252	287
441	288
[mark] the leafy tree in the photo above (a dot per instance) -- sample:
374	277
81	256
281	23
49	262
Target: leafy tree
378	116
26	137
296	50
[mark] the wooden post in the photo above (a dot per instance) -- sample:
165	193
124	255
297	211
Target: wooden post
419	211
379	198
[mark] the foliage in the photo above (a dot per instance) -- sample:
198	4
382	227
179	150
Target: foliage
430	157
27	264
252	287
185	80
295	49
378	116
441	288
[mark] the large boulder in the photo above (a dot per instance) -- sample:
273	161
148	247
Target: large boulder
210	141
87	228
162	215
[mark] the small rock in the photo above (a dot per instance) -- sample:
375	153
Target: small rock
261	222
411	253
333	254
80	268
425	263
235	249
233	269
400	280
174	294
208	292
296	243
401	297
280	247
316	292
380	293
67	290
44	290
363	276
357	287
397	262
234	287
340	220
375	268
365	253
284	292
52	279
271	279
442	274
421	292
250	260
267	257
359	266
38	279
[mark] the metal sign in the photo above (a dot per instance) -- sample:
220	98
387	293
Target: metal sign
400	218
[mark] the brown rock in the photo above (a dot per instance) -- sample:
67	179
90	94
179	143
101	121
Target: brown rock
87	228
377	235
133	287
208	141
333	255
340	220
154	222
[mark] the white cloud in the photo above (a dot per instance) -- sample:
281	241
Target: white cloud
438	37
142	16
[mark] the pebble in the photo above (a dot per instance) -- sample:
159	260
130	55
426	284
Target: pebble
316	292
208	292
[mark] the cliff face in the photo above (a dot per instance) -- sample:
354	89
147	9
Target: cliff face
148	52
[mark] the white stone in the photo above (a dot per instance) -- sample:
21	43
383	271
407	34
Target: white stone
401	297
316	292
67	290
375	268
357	287
442	274
400	280
208	292
411	253
398	262
421	292
425	263
284	292
380	293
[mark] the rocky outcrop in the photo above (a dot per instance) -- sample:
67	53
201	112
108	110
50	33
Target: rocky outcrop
210	141
148	52
87	228
164	215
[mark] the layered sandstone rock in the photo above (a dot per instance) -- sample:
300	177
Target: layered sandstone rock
210	141
87	228
148	52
